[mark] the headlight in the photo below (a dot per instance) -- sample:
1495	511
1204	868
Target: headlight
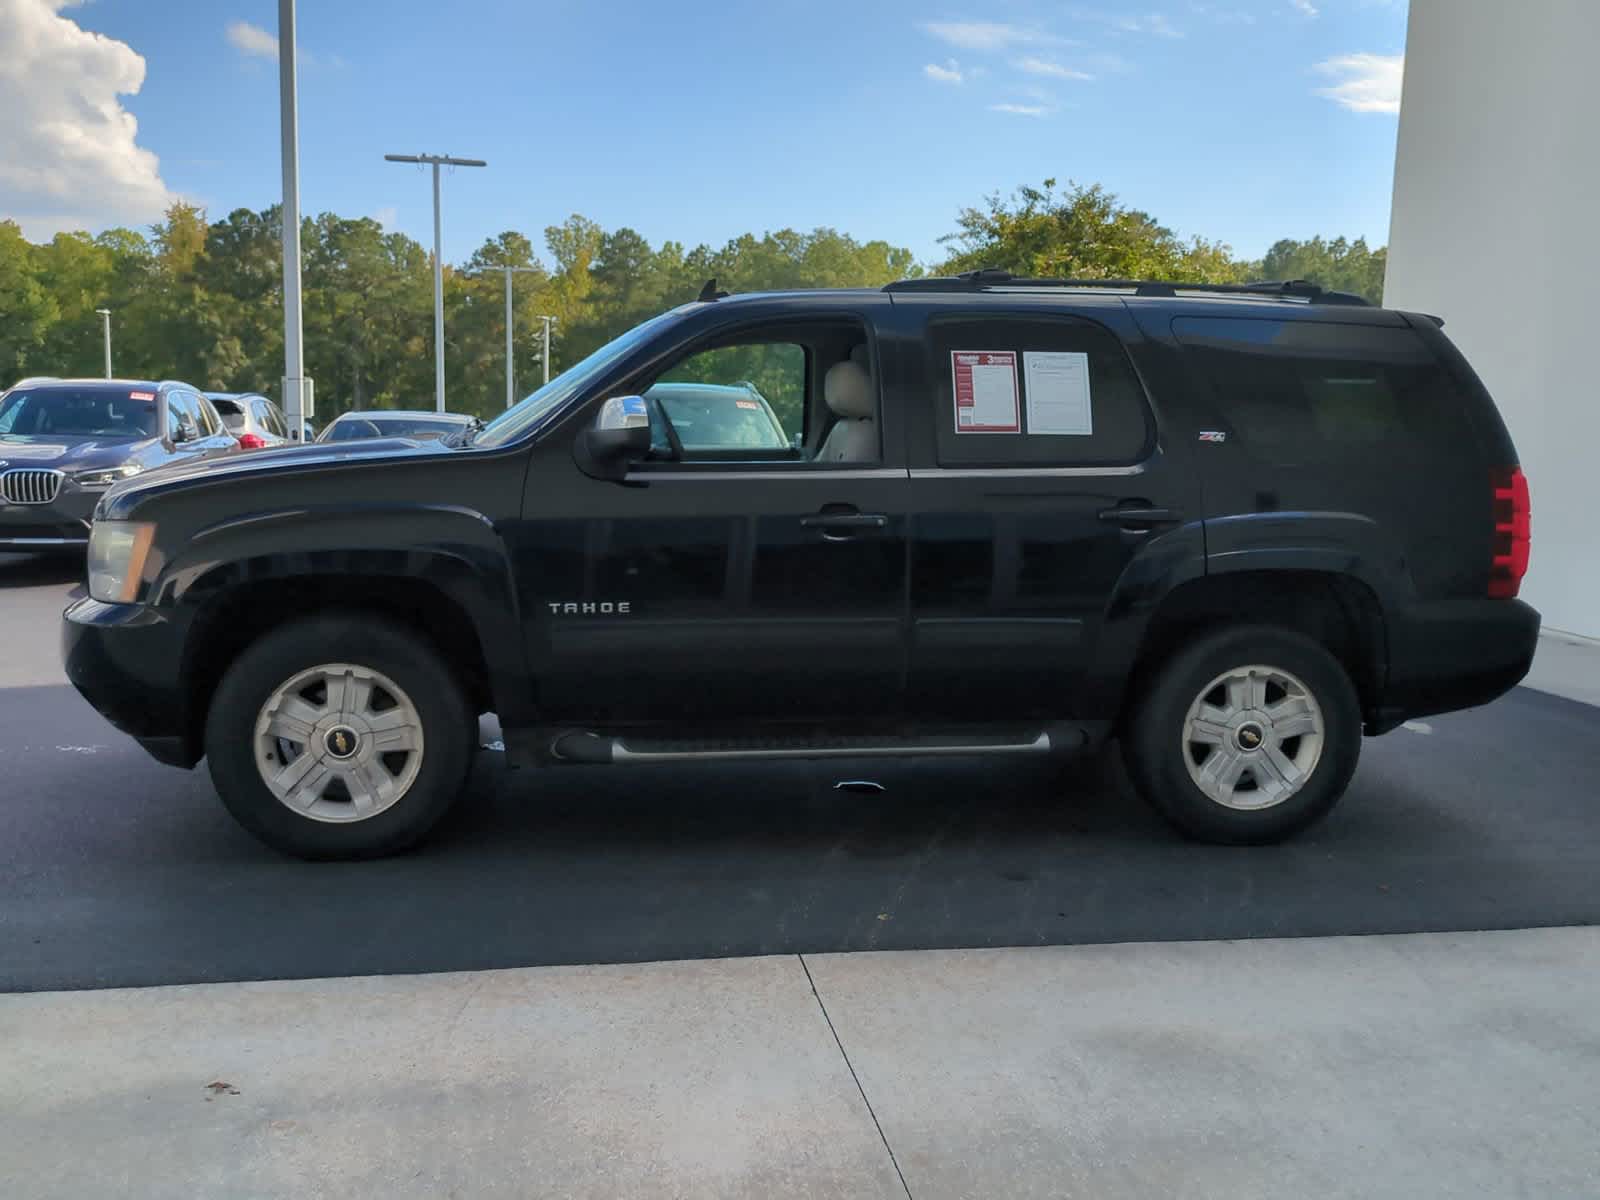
105	477
117	554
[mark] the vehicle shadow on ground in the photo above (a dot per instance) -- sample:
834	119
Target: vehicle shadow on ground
40	570
115	871
799	804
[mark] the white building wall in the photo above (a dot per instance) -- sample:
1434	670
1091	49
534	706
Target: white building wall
1496	228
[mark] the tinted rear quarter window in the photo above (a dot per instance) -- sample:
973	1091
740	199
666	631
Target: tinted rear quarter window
1328	417
1298	392
1120	423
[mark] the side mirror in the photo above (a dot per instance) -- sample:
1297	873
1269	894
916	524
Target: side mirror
619	435
182	433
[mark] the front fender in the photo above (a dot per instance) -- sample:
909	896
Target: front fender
456	550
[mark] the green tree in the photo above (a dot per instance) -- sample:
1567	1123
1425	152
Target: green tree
1341	265
27	310
1082	233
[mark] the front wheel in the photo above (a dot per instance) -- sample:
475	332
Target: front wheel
339	737
1246	736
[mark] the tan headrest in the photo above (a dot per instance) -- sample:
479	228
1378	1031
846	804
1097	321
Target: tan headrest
848	390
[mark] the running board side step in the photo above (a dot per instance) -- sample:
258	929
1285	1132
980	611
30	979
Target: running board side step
585	746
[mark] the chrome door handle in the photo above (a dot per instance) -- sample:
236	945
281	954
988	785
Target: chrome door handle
1139	517
842	526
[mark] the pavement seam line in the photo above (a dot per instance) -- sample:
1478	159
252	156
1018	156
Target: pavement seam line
844	1054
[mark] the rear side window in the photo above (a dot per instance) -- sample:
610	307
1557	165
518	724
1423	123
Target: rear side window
181	413
267	415
1027	390
210	423
1299	392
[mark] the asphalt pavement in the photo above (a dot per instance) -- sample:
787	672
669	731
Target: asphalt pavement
116	871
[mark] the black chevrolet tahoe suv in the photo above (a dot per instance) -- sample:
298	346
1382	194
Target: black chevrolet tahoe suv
1234	528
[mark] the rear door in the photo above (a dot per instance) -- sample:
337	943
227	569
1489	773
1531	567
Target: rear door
1037	475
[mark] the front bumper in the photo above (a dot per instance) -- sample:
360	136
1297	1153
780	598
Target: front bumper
62	522
1454	654
125	659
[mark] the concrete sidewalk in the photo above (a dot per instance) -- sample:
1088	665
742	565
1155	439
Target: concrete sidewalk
1425	1065
1566	665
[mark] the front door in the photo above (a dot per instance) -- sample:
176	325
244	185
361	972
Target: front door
1036	480
734	576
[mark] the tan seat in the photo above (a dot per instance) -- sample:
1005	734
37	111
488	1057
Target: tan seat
847	388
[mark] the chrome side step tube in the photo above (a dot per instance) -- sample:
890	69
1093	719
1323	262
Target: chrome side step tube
580	746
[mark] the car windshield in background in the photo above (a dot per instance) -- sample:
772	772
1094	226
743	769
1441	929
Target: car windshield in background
718	417
516	421
348	429
96	411
415	426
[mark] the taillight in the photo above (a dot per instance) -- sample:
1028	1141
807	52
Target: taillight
1513	523
252	441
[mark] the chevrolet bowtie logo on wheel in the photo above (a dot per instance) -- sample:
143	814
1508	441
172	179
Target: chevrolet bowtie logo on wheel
340	742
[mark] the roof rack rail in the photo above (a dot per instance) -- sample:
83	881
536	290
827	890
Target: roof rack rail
992	277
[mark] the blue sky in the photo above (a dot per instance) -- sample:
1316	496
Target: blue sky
1242	120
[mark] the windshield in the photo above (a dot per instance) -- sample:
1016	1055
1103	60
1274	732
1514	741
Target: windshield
514	422
369	425
95	411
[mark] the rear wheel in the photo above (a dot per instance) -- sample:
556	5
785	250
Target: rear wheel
1246	736
339	738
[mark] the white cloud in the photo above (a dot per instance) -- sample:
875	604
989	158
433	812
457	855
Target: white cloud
1034	65
1153	23
253	40
1366	82
69	152
387	216
989	35
1304	6
1021	110
949	73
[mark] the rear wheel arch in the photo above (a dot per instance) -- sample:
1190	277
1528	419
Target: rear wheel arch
1337	611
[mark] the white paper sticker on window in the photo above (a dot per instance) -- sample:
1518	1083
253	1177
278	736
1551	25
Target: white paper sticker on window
1058	392
985	387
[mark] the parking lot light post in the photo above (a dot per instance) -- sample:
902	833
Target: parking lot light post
437	161
545	355
105	318
295	384
511	371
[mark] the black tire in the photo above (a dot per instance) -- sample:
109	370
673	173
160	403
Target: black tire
448	728
1154	748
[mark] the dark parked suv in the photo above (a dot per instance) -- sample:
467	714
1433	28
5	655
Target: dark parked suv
1235	527
63	442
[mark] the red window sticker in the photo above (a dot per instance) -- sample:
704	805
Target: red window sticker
141	395
985	387
748	404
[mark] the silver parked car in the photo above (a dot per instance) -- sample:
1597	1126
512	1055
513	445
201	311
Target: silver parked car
257	422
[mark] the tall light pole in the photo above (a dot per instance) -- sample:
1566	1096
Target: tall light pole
548	321
105	317
511	371
437	160
296	387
